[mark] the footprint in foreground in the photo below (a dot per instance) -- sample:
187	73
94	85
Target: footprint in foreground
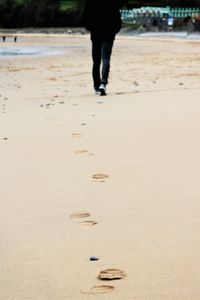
100	289
80	215
89	223
100	177
112	274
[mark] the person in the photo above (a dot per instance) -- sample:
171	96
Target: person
102	18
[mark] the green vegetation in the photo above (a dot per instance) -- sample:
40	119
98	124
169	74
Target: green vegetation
67	5
63	13
39	13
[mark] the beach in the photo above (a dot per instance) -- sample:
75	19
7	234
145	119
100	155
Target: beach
115	177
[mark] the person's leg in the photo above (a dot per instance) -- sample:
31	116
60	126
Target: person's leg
106	52
96	56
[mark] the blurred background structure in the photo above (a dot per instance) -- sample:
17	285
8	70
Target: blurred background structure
163	18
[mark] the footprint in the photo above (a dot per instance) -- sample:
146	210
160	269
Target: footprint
89	223
81	151
100	177
77	135
80	215
52	78
120	93
112	274
100	289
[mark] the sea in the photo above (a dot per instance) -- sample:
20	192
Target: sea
16	50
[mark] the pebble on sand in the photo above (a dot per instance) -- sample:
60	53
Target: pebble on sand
94	258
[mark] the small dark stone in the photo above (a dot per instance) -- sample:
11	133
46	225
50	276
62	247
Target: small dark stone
94	258
136	83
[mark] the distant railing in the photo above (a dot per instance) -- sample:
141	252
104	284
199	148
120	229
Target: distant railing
160	11
184	12
126	13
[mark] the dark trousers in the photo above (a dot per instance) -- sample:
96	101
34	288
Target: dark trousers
101	54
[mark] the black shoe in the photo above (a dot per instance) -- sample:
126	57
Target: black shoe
102	90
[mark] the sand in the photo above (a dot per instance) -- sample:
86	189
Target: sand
113	177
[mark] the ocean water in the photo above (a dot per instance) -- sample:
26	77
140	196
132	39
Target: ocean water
10	51
28	51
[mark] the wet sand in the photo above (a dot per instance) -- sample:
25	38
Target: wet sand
113	177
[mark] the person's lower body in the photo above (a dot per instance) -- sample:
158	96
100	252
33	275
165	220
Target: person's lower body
101	55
